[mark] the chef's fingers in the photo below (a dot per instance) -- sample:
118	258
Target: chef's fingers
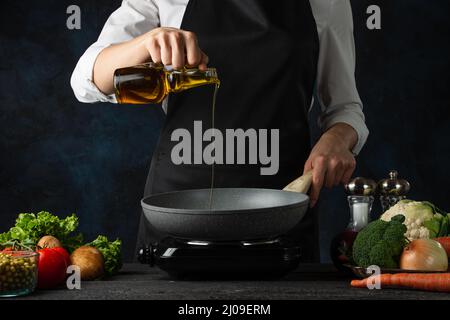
307	167
329	176
178	50
166	49
155	50
349	172
193	52
319	169
204	61
333	171
339	175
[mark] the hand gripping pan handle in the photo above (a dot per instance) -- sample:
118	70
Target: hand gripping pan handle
301	184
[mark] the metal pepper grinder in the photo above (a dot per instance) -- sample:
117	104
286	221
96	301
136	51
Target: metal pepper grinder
392	190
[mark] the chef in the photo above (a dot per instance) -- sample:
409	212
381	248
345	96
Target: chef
271	56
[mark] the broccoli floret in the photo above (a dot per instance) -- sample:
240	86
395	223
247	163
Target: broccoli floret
381	255
380	243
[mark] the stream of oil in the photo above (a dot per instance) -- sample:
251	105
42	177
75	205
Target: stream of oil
213	119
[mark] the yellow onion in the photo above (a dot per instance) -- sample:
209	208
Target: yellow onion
425	255
49	242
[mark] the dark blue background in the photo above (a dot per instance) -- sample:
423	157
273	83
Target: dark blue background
64	156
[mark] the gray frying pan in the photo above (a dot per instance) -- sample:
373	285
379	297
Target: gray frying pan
236	213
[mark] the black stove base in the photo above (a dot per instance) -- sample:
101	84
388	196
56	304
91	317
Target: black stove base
237	260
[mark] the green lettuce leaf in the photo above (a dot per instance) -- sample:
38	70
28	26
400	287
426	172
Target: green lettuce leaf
111	253
30	227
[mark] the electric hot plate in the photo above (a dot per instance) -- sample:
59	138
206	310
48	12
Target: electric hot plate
180	258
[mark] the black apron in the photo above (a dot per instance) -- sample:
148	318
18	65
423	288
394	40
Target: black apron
266	55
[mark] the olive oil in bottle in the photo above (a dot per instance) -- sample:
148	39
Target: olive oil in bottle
151	83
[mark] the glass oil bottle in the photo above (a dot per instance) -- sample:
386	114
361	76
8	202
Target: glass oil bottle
151	83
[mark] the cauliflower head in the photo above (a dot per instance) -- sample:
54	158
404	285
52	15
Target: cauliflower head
415	213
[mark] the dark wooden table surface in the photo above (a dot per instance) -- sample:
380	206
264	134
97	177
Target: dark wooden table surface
308	282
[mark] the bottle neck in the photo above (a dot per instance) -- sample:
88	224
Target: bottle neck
180	80
360	208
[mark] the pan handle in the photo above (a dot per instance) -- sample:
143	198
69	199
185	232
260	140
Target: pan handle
301	184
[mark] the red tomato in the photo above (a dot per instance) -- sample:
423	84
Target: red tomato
64	253
51	268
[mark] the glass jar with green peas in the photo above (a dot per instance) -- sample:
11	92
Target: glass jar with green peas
18	272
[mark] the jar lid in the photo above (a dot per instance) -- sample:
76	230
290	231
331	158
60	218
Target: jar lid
361	187
393	185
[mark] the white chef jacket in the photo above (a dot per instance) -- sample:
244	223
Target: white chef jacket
336	85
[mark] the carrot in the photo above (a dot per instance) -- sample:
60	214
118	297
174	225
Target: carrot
420	281
445	242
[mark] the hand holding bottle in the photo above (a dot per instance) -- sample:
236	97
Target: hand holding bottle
168	46
175	47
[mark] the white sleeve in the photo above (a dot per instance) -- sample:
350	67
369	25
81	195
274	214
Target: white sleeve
336	84
133	18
